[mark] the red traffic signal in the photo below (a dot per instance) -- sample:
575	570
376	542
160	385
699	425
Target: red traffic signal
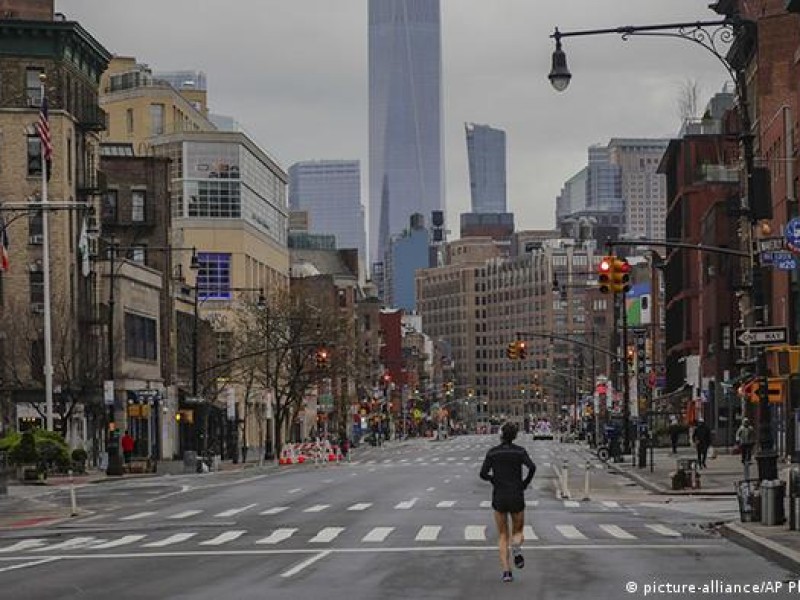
604	271
620	276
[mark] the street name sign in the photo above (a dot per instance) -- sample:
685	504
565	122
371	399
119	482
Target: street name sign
760	336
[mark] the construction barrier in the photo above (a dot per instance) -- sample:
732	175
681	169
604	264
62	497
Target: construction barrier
317	452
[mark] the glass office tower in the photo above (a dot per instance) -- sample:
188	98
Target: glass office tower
330	191
486	153
405	113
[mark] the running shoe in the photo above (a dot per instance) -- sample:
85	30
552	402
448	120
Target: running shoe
519	560
507	576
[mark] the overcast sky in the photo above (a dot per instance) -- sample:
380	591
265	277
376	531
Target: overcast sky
294	73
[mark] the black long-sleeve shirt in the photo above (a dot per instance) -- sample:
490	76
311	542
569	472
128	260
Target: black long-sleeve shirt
503	468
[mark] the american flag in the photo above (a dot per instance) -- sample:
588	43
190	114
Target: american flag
3	246
43	127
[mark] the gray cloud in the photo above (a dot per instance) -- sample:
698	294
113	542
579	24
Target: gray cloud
294	73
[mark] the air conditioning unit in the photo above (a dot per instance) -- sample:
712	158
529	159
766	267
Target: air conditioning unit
35	267
37	307
36	240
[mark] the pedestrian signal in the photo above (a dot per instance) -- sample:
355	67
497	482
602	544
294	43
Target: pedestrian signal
522	350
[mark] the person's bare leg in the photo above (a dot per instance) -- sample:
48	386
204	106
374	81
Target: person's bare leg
501	520
517	523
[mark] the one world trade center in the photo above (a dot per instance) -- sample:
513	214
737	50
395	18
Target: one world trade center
405	114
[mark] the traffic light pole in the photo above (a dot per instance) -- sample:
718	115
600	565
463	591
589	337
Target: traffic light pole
626	382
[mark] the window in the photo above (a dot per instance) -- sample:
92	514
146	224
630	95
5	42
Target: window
35	228
33	87
138	253
36	285
34	156
129	121
109	214
214	276
156	119
141	337
138	202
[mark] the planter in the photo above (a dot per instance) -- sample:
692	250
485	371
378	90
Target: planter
27	472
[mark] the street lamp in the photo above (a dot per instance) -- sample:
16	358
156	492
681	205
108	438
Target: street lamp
737	36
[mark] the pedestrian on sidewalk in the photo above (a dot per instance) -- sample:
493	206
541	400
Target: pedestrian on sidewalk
128	444
674	433
702	440
502	467
746	438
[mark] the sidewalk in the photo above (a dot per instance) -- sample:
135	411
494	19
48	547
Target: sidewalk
777	543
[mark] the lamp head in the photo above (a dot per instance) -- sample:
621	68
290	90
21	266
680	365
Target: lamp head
195	264
559	73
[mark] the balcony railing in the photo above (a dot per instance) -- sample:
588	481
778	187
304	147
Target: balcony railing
717	174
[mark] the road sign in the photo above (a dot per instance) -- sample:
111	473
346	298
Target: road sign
771	244
760	336
793	235
771	257
788	264
108	392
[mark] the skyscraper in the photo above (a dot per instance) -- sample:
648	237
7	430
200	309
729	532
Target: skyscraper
405	106
486	153
330	191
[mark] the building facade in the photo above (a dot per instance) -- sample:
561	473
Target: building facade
329	191
405	113
486	154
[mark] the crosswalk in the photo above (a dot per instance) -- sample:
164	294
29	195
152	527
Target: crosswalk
473	533
408	504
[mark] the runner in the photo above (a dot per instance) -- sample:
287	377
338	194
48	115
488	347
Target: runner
502	467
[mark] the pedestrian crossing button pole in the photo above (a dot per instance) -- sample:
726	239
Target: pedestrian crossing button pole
586	481
565	480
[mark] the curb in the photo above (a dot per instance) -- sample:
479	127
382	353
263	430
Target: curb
773	551
657	489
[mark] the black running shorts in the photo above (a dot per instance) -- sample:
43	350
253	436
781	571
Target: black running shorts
509	504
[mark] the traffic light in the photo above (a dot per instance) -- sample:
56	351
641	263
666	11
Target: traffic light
604	274
620	275
630	357
513	351
522	350
323	358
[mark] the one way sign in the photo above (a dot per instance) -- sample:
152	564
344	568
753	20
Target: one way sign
760	336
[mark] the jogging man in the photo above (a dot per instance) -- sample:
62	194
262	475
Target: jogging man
502	467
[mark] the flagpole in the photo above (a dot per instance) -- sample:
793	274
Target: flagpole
48	334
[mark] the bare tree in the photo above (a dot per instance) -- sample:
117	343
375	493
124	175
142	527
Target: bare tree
687	100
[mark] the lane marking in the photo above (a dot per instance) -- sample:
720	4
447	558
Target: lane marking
430	489
302	565
617	532
406	504
78	542
316	508
531	503
277	536
528	533
235	511
32	563
360	506
123	541
294	491
23	545
571	504
486	504
274	510
446	504
328	534
610	503
378	534
451	458
663	530
140	515
185	514
428	533
223	538
168	541
475	533
570	532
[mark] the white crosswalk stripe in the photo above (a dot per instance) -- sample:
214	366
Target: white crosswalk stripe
617	532
123	541
140	515
610	503
70	544
378	534
571	504
278	536
23	545
327	534
235	511
274	510
446	504
223	538
169	541
531	503
185	514
428	533
475	533
528	533
360	506
316	508
406	504
663	530
486	504
570	532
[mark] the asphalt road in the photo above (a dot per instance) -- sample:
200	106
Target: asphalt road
410	520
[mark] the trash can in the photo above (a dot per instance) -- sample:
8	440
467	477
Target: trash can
190	461
772	493
794	497
748	493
